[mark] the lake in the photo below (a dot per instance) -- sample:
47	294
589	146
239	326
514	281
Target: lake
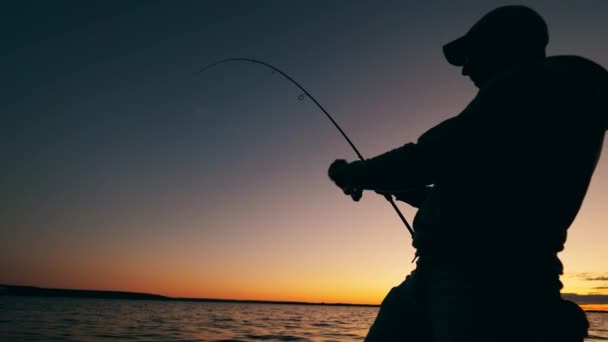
76	319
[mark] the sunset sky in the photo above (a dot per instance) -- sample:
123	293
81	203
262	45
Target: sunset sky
125	169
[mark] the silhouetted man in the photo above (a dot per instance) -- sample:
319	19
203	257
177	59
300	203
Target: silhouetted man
497	187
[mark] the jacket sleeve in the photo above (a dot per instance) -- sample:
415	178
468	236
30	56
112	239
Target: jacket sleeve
443	147
411	165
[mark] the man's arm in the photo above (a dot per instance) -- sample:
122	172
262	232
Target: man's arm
410	166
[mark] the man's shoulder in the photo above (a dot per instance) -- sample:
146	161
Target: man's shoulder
585	80
577	71
568	74
552	69
573	62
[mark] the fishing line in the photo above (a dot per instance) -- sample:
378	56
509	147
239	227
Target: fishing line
302	97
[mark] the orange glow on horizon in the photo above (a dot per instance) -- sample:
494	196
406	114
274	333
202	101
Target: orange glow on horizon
594	307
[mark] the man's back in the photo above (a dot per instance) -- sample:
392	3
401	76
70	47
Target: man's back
511	171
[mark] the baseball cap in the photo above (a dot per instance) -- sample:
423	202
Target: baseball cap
516	28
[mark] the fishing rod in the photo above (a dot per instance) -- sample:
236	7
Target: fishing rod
255	61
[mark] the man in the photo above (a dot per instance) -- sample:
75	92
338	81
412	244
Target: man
497	188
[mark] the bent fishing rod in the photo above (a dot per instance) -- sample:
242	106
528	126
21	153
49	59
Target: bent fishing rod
275	69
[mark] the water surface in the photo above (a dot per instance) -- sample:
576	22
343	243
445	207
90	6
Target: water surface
77	319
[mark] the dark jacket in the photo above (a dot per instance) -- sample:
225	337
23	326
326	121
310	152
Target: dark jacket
510	171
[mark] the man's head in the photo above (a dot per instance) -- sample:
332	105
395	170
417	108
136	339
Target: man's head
504	37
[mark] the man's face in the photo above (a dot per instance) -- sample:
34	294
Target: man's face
480	67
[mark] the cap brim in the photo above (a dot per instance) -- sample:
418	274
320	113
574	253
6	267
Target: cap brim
454	51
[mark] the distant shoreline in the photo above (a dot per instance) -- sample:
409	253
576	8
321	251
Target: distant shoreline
34	291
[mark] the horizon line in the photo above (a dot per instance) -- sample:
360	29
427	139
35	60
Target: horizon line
29	290
37	291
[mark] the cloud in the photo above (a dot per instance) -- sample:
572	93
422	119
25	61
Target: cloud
589	276
586	299
596	278
601	288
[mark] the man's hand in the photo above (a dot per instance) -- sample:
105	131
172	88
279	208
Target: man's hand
340	173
